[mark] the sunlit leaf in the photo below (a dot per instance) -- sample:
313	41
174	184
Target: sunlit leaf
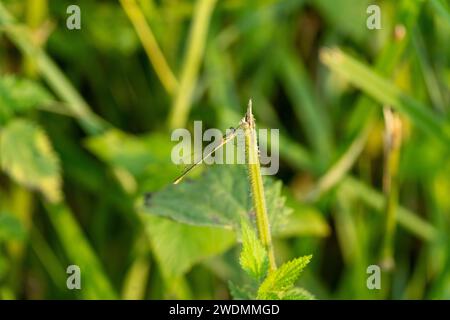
253	259
27	156
20	94
283	279
298	294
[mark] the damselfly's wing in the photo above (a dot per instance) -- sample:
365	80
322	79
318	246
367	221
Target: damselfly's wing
199	159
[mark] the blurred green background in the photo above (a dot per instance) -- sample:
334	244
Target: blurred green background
86	117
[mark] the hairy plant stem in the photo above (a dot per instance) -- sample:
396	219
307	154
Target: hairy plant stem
256	185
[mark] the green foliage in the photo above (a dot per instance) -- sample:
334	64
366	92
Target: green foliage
305	220
144	163
135	154
349	27
179	246
28	157
98	24
145	159
96	284
298	294
18	95
386	93
267	285
279	283
253	258
224	205
117	87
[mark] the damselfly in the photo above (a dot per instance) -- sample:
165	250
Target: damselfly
225	139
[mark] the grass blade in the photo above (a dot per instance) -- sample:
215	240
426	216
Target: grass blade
306	107
95	284
191	65
150	45
383	91
406	218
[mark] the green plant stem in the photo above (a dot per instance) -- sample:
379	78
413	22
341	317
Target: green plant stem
48	258
150	45
409	220
342	166
36	15
256	185
134	285
191	64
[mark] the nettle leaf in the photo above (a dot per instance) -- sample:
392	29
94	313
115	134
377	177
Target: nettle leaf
220	197
179	246
27	156
20	94
253	259
278	282
298	294
146	158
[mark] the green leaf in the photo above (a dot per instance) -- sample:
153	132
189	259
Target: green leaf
278	282
298	294
27	156
127	151
19	94
218	198
179	246
253	259
146	157
305	220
